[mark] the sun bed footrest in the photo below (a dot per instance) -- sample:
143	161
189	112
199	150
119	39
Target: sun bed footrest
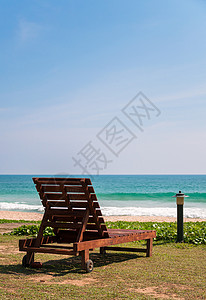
31	241
49	250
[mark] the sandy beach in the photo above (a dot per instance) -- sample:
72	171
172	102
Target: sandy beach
14	215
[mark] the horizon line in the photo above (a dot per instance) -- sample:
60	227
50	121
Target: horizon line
65	174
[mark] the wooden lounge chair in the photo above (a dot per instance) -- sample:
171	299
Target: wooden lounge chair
72	210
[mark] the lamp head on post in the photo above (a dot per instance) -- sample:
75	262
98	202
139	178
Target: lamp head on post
180	198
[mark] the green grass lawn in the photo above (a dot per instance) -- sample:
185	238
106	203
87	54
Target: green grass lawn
175	271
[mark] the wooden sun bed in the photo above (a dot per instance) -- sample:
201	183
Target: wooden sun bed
72	210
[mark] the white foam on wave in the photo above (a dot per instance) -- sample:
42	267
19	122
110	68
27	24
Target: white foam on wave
20	206
155	211
191	212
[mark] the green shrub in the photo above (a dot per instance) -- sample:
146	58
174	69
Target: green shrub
194	232
31	230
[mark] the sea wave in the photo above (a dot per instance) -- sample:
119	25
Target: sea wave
20	206
193	197
189	212
154	211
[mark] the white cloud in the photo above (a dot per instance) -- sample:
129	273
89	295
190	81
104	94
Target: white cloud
28	30
197	91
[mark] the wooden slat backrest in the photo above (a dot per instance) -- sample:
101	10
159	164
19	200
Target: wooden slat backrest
71	203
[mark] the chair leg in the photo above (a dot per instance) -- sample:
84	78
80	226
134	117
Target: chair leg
85	257
28	259
149	247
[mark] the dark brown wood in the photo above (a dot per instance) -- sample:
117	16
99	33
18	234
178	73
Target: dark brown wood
149	247
66	197
74	204
93	211
115	240
67	236
56	203
70	189
101	220
41	194
93	227
83	204
91	235
39	238
83	226
30	257
69	218
72	210
85	257
53	196
61	196
30	242
63	225
49	250
66	212
57	180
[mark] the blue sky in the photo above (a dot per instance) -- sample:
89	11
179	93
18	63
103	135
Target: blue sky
67	68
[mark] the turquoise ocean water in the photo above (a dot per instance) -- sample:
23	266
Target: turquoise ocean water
138	195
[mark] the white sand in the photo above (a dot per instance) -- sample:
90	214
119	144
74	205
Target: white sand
14	215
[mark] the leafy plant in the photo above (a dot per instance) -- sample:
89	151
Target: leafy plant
194	232
31	230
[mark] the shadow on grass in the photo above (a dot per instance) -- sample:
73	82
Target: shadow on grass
62	267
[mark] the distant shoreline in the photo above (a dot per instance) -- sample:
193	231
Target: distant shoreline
16	215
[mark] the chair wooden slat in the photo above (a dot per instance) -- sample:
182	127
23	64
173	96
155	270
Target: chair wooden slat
93	227
83	204
63	218
52	188
57	203
60	196
65	181
63	225
69	189
78	189
65	212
